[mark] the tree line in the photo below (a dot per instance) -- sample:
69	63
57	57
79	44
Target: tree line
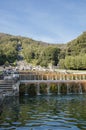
67	56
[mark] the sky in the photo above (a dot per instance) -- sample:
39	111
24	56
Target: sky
53	21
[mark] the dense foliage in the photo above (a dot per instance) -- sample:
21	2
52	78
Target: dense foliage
73	62
68	56
75	54
35	52
77	46
8	50
41	55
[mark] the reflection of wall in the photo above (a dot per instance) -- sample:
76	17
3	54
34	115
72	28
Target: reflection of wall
10	107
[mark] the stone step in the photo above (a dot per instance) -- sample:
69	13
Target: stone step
6	88
6	84
6	81
2	87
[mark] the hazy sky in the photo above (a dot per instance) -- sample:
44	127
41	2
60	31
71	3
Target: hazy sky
55	21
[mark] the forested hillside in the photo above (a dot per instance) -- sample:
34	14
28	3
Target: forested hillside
75	55
69	56
35	52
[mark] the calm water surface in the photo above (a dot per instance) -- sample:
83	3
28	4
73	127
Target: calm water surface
44	113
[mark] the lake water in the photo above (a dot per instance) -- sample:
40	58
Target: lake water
44	113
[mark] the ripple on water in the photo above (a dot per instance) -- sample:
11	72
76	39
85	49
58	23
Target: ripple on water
45	113
5	124
16	123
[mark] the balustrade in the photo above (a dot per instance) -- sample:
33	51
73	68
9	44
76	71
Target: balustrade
67	79
52	77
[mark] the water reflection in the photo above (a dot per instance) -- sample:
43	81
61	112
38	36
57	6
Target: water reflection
44	113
